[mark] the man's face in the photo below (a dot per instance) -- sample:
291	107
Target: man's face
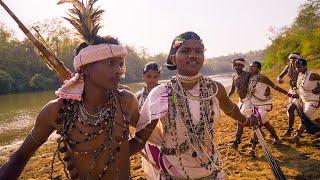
106	73
293	60
151	78
254	69
237	67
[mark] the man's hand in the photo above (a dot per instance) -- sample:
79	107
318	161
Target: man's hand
279	80
254	121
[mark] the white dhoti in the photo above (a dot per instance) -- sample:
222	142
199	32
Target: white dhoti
308	100
310	108
245	107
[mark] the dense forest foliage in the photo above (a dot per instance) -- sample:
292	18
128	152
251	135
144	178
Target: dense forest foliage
22	68
302	36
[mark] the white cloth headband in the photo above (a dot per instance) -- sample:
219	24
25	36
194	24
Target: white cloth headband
73	88
296	56
99	52
239	62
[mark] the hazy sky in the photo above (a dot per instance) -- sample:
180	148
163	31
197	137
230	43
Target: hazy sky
226	26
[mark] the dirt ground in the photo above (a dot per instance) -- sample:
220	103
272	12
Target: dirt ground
298	161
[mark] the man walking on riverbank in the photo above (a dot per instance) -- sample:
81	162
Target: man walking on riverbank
292	72
309	94
240	82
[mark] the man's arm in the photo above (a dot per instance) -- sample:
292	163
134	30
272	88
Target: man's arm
38	135
227	106
267	81
315	77
138	142
283	73
232	88
135	114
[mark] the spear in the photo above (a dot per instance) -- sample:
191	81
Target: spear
276	170
52	60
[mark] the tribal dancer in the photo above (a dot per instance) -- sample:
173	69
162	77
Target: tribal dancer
151	76
259	94
182	116
240	82
90	114
292	72
308	89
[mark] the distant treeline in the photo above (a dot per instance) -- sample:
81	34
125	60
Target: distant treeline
302	36
22	69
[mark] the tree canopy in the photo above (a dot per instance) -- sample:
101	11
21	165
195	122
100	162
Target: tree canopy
302	36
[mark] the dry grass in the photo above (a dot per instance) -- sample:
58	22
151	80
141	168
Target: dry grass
297	161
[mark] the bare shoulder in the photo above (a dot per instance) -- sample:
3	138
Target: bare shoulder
128	99
126	94
50	112
263	78
314	76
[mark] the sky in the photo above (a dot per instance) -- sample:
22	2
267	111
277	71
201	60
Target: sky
225	26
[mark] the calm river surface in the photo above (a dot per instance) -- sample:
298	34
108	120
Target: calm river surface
18	111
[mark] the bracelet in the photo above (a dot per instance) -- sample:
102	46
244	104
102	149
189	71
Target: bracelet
289	95
34	139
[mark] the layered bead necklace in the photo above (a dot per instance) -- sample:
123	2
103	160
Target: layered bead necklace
253	81
302	77
195	134
102	122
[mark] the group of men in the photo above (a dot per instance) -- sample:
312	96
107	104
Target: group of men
303	95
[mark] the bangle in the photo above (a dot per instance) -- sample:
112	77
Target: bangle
34	139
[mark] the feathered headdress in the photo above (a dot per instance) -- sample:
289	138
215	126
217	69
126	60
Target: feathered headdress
85	18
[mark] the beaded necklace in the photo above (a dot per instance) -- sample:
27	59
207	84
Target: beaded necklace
302	77
253	81
104	124
242	81
143	97
195	135
188	79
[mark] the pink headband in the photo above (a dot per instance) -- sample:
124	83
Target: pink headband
99	52
73	88
239	62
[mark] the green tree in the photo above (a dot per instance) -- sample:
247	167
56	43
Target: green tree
5	82
40	82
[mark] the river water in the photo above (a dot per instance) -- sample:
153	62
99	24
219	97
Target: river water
18	111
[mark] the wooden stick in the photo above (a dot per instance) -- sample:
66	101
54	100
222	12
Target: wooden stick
51	59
